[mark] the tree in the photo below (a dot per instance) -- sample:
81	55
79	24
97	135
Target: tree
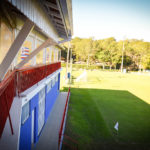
109	52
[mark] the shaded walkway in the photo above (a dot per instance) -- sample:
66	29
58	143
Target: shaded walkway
49	136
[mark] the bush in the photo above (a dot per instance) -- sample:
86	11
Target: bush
84	66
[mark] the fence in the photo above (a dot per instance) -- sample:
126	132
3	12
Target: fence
20	80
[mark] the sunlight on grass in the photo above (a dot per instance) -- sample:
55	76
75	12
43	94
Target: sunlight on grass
135	83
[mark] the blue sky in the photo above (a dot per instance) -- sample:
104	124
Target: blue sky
112	18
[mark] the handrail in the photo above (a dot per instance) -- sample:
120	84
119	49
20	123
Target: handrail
63	119
6	81
7	93
19	80
37	66
30	76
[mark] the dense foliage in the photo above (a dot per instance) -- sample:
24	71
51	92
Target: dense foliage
136	53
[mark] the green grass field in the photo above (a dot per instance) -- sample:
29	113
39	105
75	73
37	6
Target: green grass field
101	101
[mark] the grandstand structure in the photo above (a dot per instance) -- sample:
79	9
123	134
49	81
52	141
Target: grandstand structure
31	32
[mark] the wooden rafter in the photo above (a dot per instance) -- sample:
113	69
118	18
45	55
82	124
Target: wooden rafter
51	5
55	14
58	21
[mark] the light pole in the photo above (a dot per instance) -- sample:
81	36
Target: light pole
70	63
122	57
70	60
67	60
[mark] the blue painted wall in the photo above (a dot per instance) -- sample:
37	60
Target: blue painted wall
51	97
25	135
25	131
34	105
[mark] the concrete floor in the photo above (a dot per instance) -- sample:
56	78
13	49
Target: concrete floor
49	136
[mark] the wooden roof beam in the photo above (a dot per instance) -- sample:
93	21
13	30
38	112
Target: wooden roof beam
47	43
58	21
61	32
61	26
15	47
55	15
51	5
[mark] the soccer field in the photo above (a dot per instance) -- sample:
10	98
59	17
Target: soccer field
102	100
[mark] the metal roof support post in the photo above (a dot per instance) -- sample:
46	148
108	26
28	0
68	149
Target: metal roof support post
55	54
44	56
15	47
50	55
34	46
36	51
60	55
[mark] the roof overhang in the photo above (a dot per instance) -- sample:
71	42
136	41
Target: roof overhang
53	18
60	13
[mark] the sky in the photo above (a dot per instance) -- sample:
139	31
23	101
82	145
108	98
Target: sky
112	18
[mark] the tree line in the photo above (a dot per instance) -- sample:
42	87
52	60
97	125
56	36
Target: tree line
109	52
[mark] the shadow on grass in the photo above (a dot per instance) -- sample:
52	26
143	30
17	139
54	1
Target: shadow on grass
93	113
